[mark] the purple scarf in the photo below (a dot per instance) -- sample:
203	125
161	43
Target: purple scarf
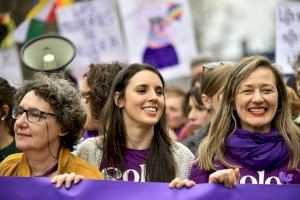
256	150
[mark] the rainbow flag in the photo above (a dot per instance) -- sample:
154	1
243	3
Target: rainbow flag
175	11
41	14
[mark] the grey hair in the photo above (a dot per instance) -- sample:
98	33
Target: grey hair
64	99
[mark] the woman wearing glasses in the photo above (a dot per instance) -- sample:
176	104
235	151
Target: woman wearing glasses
48	117
7	143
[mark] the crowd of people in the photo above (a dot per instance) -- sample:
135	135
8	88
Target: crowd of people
238	120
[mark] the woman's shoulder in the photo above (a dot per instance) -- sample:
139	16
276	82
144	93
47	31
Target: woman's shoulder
194	141
10	163
181	150
90	150
198	175
89	144
85	169
183	159
11	159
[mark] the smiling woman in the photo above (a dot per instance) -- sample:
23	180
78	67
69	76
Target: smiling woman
134	145
49	118
252	136
256	101
134	136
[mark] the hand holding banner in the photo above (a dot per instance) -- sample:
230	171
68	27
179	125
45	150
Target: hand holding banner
15	188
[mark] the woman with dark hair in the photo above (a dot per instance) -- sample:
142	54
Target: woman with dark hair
49	118
7	142
135	145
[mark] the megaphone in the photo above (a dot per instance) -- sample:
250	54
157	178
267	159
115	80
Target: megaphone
49	52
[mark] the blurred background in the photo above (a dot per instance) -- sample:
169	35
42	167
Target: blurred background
127	30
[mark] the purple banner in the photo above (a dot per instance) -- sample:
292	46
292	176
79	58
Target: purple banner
13	188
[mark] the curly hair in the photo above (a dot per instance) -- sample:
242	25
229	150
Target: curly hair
99	79
64	99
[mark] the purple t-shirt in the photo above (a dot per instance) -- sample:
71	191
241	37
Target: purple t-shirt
279	175
135	167
88	134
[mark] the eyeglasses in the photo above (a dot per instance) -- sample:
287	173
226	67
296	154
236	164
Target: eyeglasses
32	115
213	65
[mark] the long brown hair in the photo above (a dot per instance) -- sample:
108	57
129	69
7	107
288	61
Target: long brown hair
160	163
213	146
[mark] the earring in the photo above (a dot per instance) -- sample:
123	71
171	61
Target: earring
3	118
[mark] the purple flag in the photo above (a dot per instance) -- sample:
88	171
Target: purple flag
13	188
